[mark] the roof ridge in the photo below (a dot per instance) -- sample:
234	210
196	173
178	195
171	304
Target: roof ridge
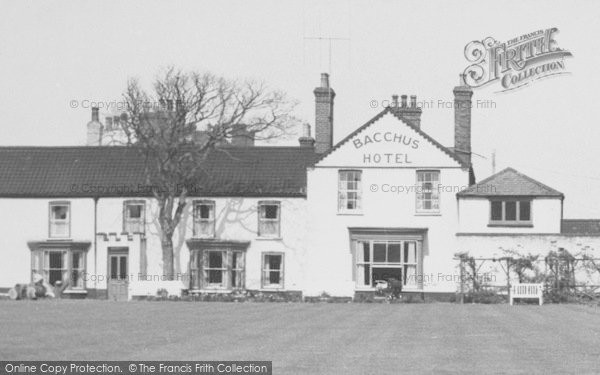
537	182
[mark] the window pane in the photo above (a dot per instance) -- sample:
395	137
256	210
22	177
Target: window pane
215	259
410	275
274	277
56	260
496	210
511	210
134	211
410	252
271	211
205	211
379	250
215	277
274	262
524	210
76	260
114	268
366	252
123	268
394	253
60	212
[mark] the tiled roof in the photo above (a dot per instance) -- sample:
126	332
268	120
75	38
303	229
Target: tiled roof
580	226
509	182
119	171
442	148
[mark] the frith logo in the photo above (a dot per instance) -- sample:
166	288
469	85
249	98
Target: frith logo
515	63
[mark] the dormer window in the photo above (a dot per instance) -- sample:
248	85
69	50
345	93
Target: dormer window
510	212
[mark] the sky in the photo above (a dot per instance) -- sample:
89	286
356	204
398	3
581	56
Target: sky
56	58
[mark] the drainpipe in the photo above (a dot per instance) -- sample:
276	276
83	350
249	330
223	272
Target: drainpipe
96	245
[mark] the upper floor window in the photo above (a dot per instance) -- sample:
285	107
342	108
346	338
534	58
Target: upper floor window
60	220
204	219
510	212
269	219
428	195
134	217
350	191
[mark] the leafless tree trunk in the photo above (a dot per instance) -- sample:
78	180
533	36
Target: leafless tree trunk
181	120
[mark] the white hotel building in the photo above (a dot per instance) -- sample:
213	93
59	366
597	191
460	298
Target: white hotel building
305	220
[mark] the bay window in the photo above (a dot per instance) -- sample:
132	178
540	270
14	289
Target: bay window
217	269
66	266
381	260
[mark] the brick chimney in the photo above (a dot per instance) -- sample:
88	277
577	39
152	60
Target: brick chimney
409	112
241	137
324	96
94	129
306	140
462	121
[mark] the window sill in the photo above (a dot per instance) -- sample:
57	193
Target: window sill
274	288
74	291
428	214
269	238
511	225
350	213
69	238
216	290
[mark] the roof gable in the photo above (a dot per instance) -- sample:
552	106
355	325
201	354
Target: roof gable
509	182
388	140
114	171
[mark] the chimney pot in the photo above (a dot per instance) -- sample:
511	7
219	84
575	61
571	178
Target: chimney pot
404	97
413	101
325	80
395	101
95	114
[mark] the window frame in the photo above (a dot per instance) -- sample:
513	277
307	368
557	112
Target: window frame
262	221
419	192
197	220
199	272
511	223
360	264
52	221
140	222
266	270
40	264
343	191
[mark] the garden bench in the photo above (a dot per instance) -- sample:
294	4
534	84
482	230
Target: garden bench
527	291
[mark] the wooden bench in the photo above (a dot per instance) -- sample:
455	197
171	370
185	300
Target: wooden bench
527	291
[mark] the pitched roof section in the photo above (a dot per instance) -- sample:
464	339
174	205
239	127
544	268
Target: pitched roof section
509	182
580	226
114	171
444	149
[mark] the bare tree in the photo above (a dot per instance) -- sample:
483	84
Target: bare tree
181	120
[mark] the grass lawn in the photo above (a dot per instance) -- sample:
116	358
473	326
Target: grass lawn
303	338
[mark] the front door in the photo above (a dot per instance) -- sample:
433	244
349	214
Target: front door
118	274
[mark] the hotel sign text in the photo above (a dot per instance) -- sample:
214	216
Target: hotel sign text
389	157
